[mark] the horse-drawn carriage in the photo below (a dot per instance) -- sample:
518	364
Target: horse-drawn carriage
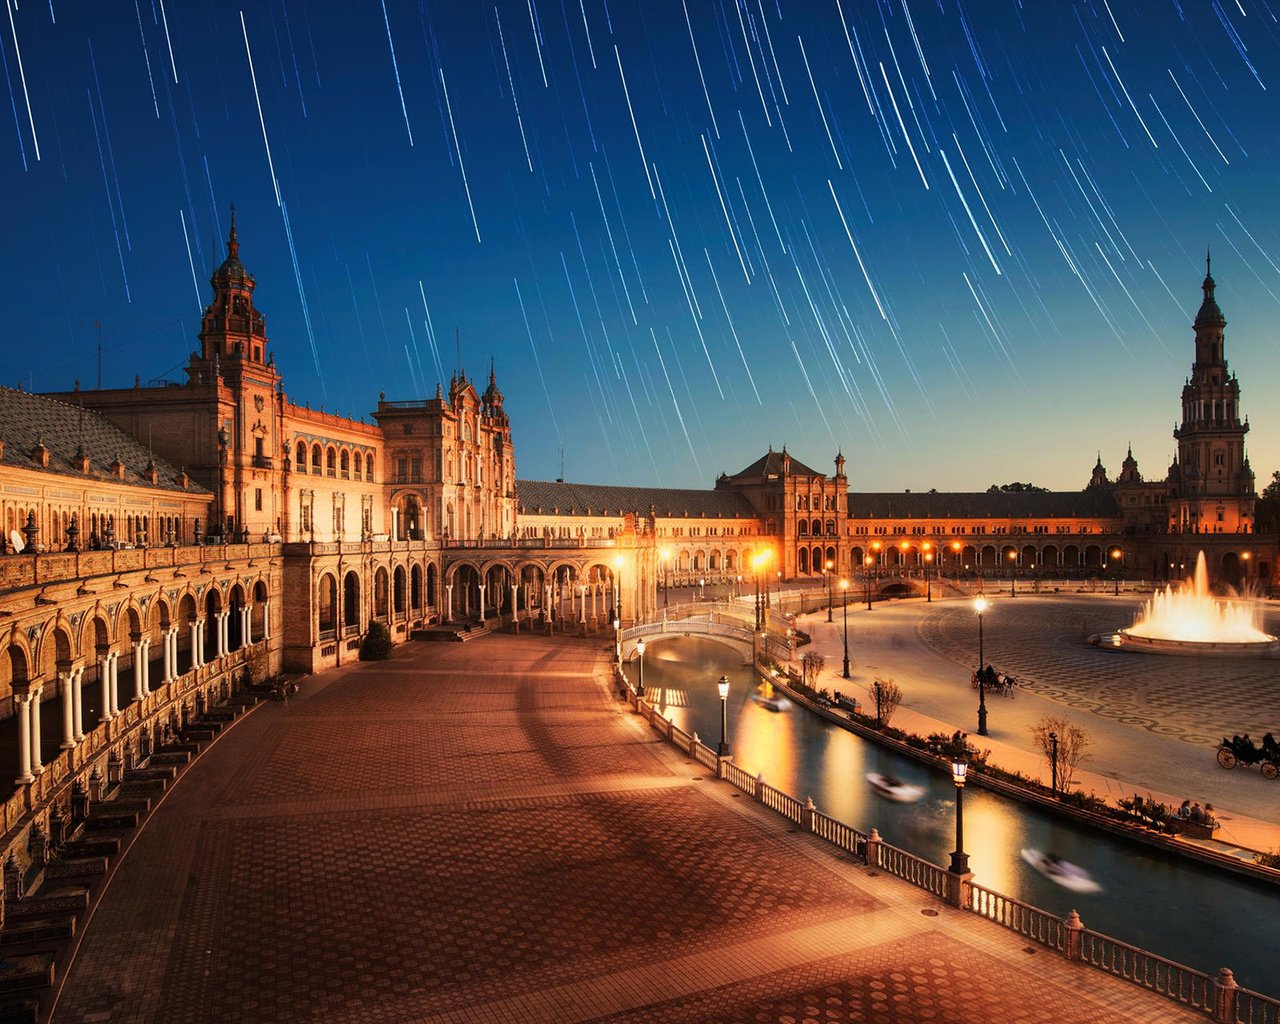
1242	750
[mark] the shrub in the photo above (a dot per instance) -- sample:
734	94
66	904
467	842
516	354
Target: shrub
1268	860
376	645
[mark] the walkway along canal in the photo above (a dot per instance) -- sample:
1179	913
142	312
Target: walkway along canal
1182	911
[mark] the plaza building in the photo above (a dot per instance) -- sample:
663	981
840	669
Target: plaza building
184	534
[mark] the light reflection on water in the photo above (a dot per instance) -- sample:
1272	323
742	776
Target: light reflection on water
1182	911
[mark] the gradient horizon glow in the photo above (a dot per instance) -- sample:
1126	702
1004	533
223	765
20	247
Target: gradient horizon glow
962	242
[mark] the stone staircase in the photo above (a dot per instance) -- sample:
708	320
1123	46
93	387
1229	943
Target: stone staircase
453	632
46	900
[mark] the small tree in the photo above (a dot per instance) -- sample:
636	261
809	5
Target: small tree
376	645
811	666
887	695
1072	741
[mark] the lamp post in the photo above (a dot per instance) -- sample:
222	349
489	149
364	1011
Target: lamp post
959	859
955	558
779	591
1117	557
640	674
980	606
617	640
1013	572
876	689
928	586
1053	762
866	576
666	565
844	594
723	686
828	574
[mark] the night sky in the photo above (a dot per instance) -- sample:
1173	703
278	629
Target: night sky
961	241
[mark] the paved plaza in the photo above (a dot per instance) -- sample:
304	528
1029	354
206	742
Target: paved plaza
1153	721
481	832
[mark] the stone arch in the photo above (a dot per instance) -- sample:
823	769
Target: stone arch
802	561
1029	559
235	624
96	636
261	608
327	603
57	651
432	583
317	459
415	588
1093	556
344	462
399	597
212	607
300	457
351	615
988	557
381	593
816	528
464	597
1071	556
1050	557
802	528
16	669
129	624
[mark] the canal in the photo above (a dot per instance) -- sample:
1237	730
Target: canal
1186	912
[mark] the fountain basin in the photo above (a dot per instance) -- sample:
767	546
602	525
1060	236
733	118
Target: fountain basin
1123	640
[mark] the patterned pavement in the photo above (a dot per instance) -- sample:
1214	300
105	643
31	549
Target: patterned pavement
480	833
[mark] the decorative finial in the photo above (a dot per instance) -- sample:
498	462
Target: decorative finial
233	246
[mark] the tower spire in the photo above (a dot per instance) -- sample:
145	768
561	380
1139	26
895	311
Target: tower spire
233	245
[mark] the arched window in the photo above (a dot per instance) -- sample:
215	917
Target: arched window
316	458
344	463
300	463
415	587
359	463
327	599
351	600
804	528
397	591
368	467
331	463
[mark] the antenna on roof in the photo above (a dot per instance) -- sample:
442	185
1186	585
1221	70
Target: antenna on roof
98	324
560	478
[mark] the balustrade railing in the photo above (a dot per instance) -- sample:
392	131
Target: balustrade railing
836	832
776	800
1171	979
1253	1008
1028	921
916	870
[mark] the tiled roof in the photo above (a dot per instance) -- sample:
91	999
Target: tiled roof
26	419
1096	502
542	496
771	462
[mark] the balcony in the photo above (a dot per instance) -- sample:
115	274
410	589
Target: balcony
263	462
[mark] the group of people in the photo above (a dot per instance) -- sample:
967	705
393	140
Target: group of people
1193	812
988	677
1243	745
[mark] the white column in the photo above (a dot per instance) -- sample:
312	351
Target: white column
266	620
37	765
22	702
104	677
115	683
219	634
146	666
448	601
246	630
515	604
77	702
65	682
482	588
196	632
582	605
139	669
167	660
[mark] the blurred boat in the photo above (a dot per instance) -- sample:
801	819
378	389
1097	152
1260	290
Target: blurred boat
767	697
894	789
1062	872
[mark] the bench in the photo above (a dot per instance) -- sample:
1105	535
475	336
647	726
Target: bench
848	703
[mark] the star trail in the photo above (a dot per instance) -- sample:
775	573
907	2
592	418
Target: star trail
959	241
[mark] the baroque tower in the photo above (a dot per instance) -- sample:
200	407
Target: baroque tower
1213	485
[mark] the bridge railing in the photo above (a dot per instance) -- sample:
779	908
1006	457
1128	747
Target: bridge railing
1219	998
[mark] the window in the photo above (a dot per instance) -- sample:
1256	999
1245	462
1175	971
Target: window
368	467
344	464
257	499
315	458
301	461
357	462
331	463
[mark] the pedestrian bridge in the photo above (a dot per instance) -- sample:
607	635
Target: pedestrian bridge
730	628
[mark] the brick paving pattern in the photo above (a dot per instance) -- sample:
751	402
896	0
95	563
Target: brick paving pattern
481	833
1194	699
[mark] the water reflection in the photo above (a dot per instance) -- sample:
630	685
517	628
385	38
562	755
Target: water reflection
1188	913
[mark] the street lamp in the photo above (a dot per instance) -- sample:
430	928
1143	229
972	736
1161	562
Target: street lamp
723	686
617	640
844	594
1116	556
1013	572
1053	762
959	859
877	690
779	591
980	606
866	575
666	565
828	574
928	586
640	674
955	558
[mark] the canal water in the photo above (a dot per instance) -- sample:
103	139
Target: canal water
1200	917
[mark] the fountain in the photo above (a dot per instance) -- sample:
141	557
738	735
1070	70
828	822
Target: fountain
1187	619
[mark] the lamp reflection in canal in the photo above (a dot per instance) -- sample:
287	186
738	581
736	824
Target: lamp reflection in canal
844	599
959	859
980	606
723	687
640	670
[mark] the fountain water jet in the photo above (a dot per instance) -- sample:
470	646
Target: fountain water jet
1188	619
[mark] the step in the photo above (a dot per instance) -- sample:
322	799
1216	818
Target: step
168	756
66	900
152	773
109	819
89	868
24	1010
143	789
222	713
41	931
201	734
92	845
26	972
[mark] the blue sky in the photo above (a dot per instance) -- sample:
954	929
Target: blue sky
961	242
